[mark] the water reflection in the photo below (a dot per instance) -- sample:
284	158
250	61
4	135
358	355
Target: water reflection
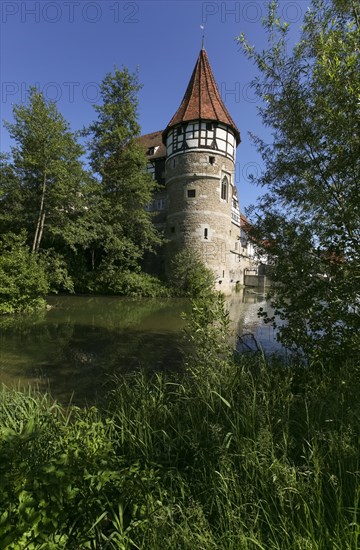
243	308
74	347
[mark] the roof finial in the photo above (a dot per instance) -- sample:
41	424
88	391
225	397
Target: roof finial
202	27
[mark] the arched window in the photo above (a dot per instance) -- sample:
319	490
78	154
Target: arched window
224	188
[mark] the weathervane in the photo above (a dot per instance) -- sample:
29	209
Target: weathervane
202	27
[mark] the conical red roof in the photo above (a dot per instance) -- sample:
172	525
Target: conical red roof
202	99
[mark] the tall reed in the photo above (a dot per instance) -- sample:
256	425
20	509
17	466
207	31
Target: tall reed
234	453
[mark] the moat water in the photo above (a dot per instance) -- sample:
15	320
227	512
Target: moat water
73	350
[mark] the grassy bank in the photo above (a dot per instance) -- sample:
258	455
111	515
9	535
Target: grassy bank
237	453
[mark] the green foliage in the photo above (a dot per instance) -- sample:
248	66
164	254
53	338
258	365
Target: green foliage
11	211
127	283
92	234
308	221
249	455
117	123
46	174
125	229
57	271
111	280
207	329
189	276
254	457
23	280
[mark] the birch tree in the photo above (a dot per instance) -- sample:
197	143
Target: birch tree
46	160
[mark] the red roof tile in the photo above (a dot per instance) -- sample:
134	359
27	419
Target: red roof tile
202	99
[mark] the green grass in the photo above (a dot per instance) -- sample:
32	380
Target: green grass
235	453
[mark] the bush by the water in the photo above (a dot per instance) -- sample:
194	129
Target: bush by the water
234	453
189	276
23	280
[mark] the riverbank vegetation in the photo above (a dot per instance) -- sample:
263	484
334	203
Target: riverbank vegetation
308	220
233	452
23	280
86	227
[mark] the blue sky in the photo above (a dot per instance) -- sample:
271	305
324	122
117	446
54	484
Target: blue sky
66	47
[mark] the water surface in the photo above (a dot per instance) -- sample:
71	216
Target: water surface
73	349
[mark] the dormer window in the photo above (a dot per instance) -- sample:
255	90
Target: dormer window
152	150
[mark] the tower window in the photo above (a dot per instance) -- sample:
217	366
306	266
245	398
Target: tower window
205	233
209	126
160	204
191	193
179	131
212	160
224	188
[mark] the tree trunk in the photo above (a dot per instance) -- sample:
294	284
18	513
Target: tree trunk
41	219
93	259
41	231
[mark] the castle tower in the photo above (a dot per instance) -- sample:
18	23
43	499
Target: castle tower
202	207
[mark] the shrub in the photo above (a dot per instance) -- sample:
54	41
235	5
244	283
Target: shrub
189	276
23	280
139	284
136	284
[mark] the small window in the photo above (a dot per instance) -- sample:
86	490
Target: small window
151	151
205	233
224	188
179	131
212	160
191	193
160	204
174	163
209	126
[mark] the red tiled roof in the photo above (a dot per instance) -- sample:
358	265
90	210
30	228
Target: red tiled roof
244	220
202	99
153	140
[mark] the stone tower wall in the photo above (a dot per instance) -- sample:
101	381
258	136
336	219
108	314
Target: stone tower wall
203	223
